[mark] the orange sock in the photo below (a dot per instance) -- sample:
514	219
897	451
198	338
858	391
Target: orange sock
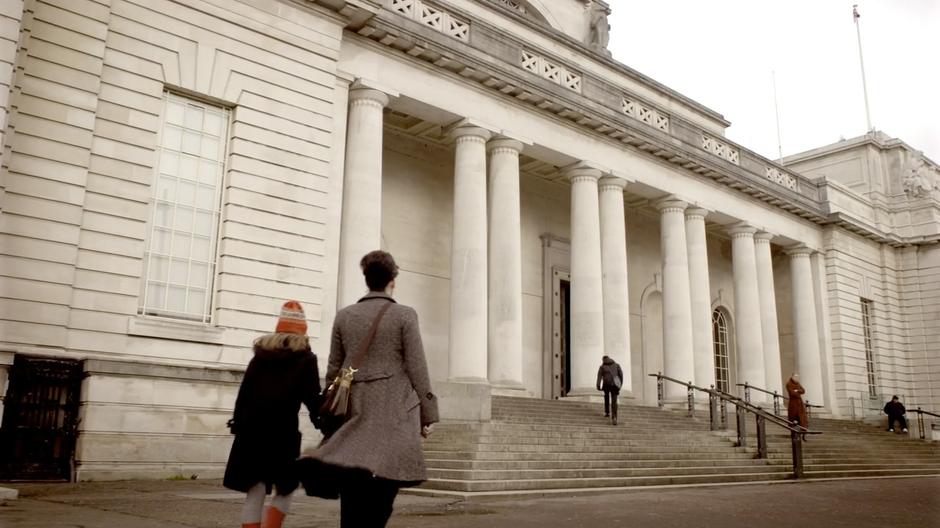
273	518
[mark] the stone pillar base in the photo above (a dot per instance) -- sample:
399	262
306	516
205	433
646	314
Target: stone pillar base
464	402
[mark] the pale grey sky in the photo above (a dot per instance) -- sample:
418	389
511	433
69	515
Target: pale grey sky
721	54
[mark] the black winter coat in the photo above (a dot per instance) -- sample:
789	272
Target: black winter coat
893	408
605	375
267	440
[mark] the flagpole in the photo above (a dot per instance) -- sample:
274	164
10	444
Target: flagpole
861	61
773	75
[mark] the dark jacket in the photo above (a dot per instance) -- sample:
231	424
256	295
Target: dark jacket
895	408
605	375
267	440
391	394
796	409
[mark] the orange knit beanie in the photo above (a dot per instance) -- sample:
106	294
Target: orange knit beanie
292	319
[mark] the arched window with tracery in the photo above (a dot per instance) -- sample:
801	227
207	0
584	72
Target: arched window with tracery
722	348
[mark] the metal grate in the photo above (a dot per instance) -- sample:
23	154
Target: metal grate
40	419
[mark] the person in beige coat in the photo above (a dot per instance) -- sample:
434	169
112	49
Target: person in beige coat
377	450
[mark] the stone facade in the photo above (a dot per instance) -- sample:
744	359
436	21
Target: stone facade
172	171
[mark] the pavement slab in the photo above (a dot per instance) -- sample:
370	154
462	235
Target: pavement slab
886	502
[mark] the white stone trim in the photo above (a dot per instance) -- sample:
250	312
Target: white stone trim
432	17
720	149
174	329
547	69
644	114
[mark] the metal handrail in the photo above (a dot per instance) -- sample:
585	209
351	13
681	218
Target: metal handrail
920	420
747	397
717	401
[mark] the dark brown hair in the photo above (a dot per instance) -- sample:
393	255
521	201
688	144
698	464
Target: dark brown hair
379	268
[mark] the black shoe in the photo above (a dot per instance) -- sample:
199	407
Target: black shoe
613	422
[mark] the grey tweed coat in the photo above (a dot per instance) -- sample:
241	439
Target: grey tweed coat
391	395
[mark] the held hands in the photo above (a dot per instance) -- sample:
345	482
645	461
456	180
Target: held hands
426	430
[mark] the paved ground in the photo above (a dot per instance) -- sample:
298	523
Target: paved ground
892	503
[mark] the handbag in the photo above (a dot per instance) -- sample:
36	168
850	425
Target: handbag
617	382
335	406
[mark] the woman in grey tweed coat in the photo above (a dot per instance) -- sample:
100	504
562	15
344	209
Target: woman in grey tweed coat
377	450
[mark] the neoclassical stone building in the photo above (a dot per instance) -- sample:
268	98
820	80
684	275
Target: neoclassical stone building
173	170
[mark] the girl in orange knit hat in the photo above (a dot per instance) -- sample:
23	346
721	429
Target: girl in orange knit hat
282	374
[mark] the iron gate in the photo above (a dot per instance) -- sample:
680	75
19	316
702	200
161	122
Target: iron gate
40	419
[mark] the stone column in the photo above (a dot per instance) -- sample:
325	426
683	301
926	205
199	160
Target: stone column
747	323
505	266
804	324
679	358
614	282
362	191
700	293
768	312
467	352
587	305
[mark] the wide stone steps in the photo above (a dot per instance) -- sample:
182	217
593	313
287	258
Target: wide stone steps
537	447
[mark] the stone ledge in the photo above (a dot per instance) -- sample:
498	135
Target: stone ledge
8	494
176	330
150	370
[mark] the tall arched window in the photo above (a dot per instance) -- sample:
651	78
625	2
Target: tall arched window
722	351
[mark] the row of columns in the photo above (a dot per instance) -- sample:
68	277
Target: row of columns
486	268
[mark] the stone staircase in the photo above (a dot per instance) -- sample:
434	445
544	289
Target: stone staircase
542	447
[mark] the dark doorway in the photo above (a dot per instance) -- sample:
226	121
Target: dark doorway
565	289
40	419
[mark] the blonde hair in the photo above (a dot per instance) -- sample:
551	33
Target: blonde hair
276	341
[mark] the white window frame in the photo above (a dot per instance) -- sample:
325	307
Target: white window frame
721	345
871	365
224	123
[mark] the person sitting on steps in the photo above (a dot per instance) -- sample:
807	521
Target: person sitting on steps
895	411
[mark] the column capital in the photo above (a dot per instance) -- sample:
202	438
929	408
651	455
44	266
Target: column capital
612	183
581	171
696	212
741	229
671	204
368	96
470	132
503	143
763	237
799	251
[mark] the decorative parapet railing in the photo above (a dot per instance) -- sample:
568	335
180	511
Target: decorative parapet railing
642	113
512	4
781	178
553	72
432	17
720	149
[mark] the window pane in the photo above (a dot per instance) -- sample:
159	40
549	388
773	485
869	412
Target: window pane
212	123
174	113
182	241
160	242
198	274
210	148
209	172
203	223
169	162
183	218
197	301
159	266
193	117
166	188
156	295
202	249
191	142
163	214
187	193
205	197
176	299
188	167
179	271
172	137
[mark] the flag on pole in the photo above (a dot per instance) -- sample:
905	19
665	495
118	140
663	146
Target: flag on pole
855	15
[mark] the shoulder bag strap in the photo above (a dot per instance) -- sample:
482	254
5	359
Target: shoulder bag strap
356	360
